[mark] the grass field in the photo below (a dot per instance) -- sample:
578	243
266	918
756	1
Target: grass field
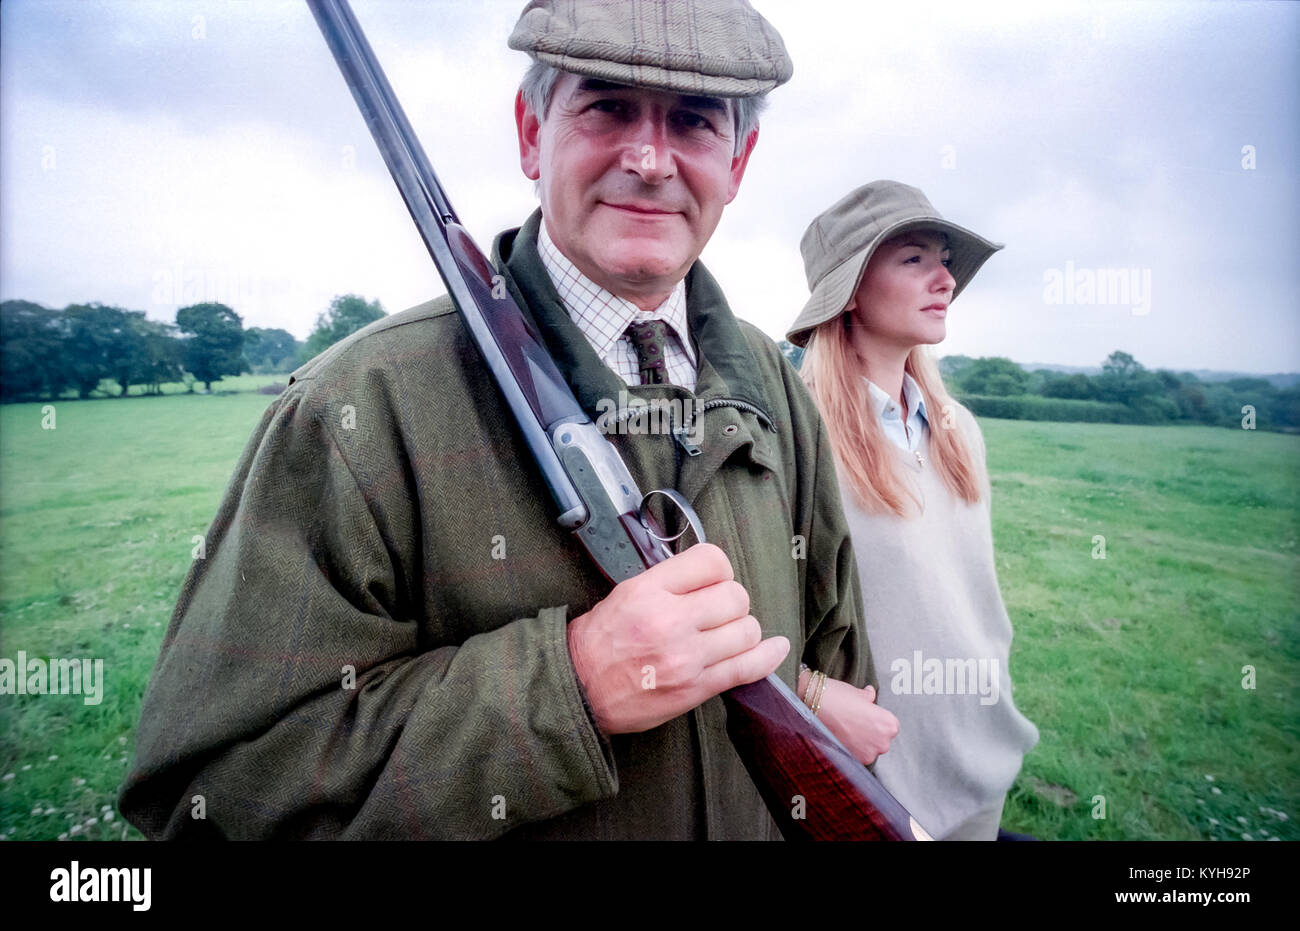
1131	665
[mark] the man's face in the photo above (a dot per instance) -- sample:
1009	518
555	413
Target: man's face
633	181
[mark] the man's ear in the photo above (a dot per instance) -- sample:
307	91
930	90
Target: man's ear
739	162
529	129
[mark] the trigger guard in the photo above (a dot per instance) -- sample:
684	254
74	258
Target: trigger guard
692	519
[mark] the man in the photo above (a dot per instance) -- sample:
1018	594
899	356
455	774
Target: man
390	636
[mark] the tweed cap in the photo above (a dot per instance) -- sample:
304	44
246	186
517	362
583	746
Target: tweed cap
838	244
712	48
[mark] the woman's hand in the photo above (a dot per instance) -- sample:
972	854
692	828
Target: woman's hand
854	717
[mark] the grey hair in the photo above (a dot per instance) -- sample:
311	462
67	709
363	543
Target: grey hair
538	86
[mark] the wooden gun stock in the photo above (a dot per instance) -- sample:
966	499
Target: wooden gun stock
813	787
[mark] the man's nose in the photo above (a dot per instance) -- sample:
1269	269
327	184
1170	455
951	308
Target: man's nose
647	150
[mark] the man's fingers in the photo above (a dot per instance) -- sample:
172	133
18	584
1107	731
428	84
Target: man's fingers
701	565
870	692
715	605
750	666
728	640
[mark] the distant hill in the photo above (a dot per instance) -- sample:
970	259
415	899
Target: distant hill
1277	380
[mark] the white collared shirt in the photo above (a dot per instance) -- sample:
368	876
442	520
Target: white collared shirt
905	435
604	318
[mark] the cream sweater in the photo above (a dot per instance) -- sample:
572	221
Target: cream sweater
940	641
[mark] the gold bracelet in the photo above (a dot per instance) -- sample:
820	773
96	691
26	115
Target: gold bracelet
803	667
817	698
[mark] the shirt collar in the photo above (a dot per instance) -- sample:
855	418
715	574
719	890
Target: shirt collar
602	316
883	403
726	346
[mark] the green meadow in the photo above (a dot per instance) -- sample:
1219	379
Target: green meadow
1164	678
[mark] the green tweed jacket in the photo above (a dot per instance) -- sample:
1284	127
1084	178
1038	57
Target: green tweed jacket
374	645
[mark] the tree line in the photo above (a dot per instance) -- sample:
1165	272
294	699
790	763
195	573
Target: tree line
1124	392
97	349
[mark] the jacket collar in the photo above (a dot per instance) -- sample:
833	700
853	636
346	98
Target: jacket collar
714	329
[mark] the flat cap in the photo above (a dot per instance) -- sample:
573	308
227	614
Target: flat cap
713	48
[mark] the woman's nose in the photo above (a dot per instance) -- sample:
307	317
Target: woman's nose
945	281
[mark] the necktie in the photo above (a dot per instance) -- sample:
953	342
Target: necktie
650	339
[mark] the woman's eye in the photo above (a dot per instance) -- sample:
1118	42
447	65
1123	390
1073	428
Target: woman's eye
947	263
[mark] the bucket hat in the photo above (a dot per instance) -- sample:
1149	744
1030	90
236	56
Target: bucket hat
838	244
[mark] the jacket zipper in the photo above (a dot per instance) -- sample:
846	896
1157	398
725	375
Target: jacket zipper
680	430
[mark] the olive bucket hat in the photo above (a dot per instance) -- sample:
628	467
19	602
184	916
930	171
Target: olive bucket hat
838	244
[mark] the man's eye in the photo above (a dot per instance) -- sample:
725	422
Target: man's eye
609	106
692	120
947	263
915	258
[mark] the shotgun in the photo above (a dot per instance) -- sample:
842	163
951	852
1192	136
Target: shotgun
814	788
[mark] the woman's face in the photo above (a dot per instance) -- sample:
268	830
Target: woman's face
904	294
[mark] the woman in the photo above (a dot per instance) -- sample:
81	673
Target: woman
883	267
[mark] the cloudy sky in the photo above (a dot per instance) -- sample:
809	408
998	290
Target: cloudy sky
157	153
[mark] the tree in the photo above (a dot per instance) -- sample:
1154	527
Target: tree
793	353
1120	365
1078	387
166	354
954	368
270	350
1123	380
347	313
128	351
995	376
215	341
92	334
1192	402
31	351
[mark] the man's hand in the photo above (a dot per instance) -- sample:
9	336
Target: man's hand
853	716
669	639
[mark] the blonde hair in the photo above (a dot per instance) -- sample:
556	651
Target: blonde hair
832	371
